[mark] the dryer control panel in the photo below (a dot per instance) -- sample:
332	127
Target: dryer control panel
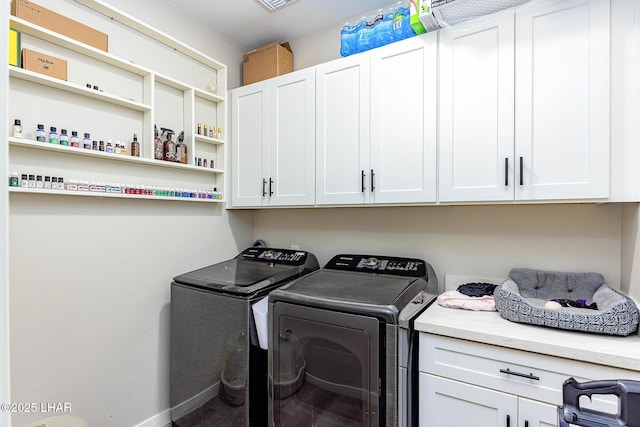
407	267
276	256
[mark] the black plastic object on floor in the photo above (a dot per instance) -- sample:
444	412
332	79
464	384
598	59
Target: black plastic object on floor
627	391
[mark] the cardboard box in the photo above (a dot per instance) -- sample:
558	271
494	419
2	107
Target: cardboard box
44	64
14	48
53	21
265	62
422	17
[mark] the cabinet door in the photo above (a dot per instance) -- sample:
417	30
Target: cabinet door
292	139
445	403
476	110
562	100
250	129
342	131
403	121
536	414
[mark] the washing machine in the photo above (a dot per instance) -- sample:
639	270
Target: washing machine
218	371
342	343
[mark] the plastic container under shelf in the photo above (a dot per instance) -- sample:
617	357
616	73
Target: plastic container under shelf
260	315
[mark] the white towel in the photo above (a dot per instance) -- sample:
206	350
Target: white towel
455	299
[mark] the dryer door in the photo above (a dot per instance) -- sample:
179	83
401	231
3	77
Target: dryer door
324	367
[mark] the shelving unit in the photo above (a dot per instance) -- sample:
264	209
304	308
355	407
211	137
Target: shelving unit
156	99
107	156
108	195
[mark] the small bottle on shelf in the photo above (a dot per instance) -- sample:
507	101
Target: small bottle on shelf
169	146
64	138
40	134
181	149
135	146
86	141
158	146
109	148
53	136
14	181
17	128
74	141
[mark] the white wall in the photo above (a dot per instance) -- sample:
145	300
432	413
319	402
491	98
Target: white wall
484	241
5	417
89	277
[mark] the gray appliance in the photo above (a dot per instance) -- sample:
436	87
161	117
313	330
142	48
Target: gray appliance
342	343
218	372
571	413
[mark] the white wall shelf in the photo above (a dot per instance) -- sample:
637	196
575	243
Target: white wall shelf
110	195
159	100
136	24
209	140
107	156
71	44
52	82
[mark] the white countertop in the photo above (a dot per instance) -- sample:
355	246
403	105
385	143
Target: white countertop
490	328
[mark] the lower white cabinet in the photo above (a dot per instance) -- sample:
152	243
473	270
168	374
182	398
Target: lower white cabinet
470	384
446	402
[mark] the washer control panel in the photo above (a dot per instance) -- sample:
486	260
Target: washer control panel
410	267
276	256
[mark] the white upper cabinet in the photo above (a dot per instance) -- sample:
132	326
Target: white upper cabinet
273	135
403	127
250	143
376	125
342	131
524	104
476	110
292	139
562	99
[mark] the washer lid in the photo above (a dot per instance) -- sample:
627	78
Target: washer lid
343	286
251	270
362	284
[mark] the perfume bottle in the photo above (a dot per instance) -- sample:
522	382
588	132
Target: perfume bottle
158	146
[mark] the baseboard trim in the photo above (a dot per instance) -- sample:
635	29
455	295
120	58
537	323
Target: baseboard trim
162	419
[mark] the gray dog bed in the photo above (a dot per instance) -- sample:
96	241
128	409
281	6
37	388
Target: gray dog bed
522	297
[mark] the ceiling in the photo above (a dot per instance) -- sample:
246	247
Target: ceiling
250	25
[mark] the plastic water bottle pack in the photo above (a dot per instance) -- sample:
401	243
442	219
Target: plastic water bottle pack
379	29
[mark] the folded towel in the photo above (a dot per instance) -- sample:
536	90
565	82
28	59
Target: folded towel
455	299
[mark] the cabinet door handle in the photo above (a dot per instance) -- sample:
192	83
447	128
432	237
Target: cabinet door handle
508	421
362	180
526	423
264	184
506	171
521	171
519	374
270	187
373	187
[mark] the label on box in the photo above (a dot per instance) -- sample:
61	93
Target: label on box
44	64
